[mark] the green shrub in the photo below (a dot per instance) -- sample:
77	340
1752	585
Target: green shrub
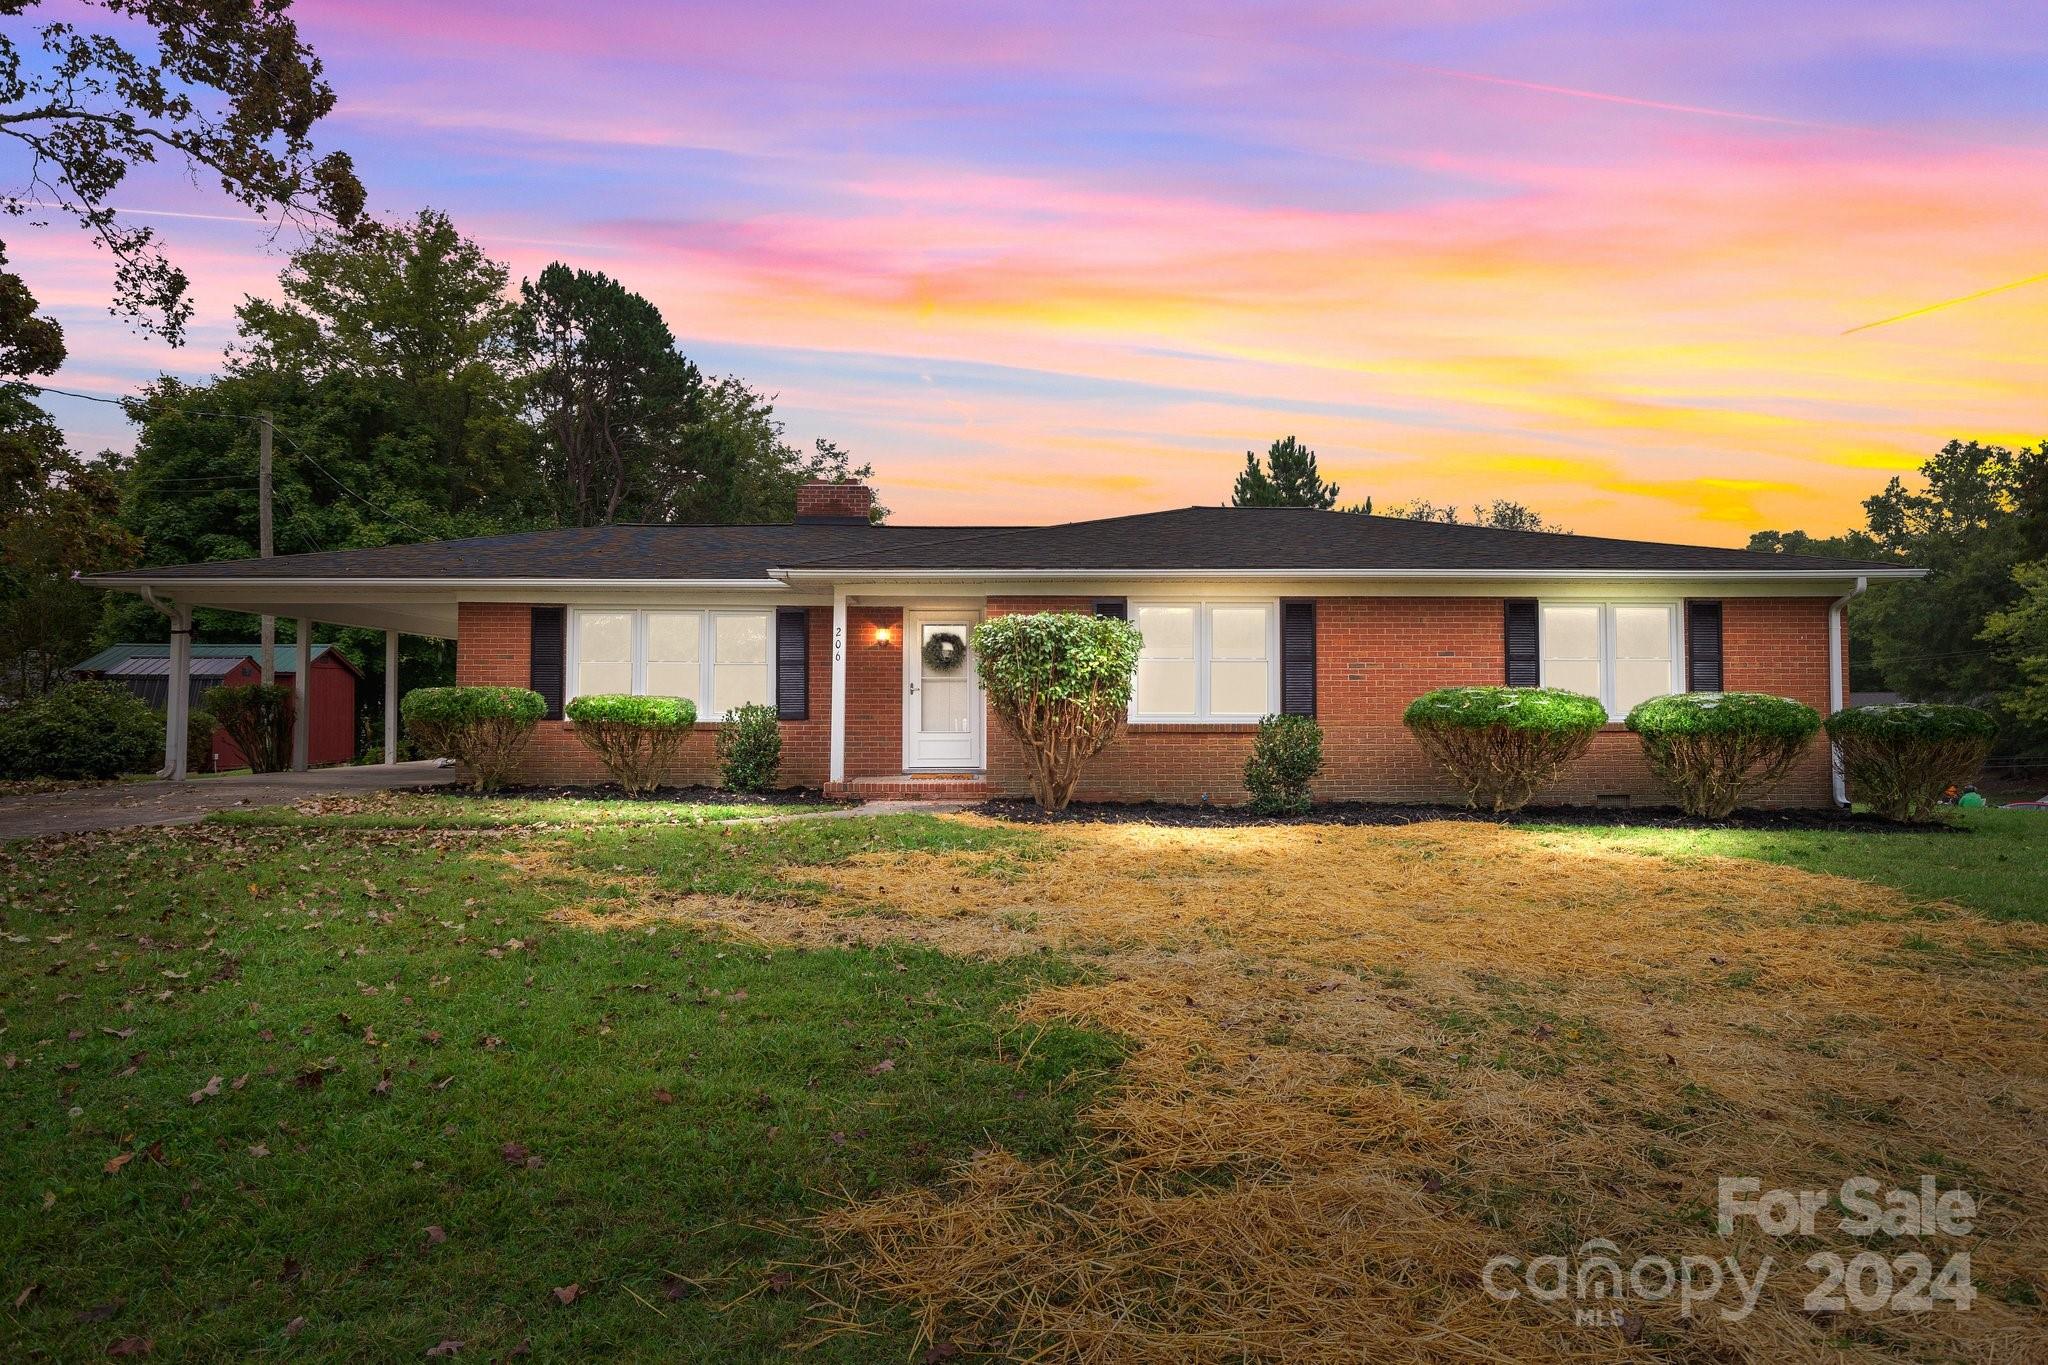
1715	750
485	729
1285	758
1060	682
81	729
1500	744
750	748
258	718
636	738
199	728
1899	759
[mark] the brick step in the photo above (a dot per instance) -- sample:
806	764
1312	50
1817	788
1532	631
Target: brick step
966	786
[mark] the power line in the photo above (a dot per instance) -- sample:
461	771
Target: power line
298	450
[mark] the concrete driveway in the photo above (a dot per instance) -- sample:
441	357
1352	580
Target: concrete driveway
127	805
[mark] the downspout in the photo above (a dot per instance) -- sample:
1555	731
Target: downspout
1837	615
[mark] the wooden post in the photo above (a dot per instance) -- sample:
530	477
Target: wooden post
268	634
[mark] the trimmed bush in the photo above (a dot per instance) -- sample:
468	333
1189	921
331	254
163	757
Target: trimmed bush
81	729
1060	682
485	729
750	748
1285	758
1899	759
1500	744
199	728
258	718
636	738
1715	750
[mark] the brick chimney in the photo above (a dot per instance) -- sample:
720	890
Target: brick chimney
845	503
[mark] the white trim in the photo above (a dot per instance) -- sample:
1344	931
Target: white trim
838	745
1310	573
349	581
1204	659
1609	640
636	650
1838	610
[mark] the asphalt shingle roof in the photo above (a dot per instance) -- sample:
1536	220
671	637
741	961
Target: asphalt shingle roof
1184	539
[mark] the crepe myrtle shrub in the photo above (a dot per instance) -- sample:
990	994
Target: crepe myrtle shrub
1060	682
1715	750
258	718
1900	758
81	730
1500	744
750	748
485	729
1286	756
636	738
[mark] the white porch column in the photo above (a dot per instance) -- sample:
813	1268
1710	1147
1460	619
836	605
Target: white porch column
302	686
391	696
838	684
178	695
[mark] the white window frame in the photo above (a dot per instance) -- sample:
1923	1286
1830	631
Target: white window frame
707	645
1676	611
1203	606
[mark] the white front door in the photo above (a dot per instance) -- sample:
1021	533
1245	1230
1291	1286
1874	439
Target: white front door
941	703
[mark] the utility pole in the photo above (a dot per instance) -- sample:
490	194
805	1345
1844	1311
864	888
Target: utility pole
269	636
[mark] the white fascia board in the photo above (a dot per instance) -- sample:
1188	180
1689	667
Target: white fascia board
172	584
1474	575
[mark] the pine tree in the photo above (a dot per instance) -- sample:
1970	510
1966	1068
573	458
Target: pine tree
1288	480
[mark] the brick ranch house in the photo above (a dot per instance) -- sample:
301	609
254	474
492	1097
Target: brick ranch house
1244	611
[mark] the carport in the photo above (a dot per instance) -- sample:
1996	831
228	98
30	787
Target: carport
280	588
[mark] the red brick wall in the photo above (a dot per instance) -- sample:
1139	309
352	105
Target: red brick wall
1376	654
493	651
1373	656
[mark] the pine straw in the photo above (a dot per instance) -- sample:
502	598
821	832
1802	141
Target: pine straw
1366	1060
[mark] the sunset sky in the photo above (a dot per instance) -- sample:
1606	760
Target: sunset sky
1045	261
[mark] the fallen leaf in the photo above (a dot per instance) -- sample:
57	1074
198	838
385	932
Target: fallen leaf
113	1167
662	1096
258	1150
132	1346
295	1326
435	1236
780	1281
99	1312
34	1288
514	1153
569	1293
290	1272
383	1085
886	1065
212	1087
446	1348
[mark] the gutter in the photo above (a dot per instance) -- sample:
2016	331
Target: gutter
1837	616
1309	573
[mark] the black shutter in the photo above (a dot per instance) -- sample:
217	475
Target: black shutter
1703	646
545	657
1298	658
1113	606
793	663
1525	662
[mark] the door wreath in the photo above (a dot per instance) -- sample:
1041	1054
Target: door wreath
944	652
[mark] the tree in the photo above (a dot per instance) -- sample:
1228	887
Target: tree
1501	515
29	342
222	88
1289	479
734	466
1980	512
57	518
607	388
1060	684
2020	631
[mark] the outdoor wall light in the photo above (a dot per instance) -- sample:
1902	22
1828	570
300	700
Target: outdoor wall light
881	635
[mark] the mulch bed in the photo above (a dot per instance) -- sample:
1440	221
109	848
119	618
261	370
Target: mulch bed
708	796
1363	813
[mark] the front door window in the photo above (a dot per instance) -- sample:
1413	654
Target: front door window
942	711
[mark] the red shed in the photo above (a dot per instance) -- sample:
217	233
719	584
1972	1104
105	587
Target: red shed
144	669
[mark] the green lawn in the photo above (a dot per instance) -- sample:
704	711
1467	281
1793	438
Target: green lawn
1992	863
404	1043
416	810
